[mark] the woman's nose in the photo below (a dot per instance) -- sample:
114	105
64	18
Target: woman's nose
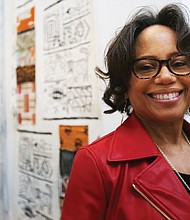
165	76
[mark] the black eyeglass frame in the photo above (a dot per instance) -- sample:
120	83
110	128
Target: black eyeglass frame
161	62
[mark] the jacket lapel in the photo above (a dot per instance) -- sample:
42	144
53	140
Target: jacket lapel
164	189
131	142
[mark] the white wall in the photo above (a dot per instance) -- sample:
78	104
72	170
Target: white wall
109	16
10	133
1	108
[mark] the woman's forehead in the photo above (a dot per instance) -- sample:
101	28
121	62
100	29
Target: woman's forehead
155	40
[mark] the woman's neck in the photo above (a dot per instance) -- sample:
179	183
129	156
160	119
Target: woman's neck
164	133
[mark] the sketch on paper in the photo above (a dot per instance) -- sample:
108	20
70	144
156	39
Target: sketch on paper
25	70
68	61
37	180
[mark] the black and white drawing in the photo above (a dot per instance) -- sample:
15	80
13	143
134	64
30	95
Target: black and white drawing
37	180
69	60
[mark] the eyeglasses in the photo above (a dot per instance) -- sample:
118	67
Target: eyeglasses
146	68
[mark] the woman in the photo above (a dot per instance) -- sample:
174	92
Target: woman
141	170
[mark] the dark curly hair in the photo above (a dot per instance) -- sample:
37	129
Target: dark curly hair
120	52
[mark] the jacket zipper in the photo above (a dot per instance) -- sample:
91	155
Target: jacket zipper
151	203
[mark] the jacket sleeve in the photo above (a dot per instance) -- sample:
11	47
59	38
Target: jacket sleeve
85	196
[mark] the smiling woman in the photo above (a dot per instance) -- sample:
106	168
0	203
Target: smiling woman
144	164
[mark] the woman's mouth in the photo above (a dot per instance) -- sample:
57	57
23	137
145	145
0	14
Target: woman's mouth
165	96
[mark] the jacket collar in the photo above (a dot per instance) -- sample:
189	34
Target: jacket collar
131	141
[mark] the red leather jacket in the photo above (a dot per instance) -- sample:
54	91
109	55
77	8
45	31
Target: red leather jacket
123	176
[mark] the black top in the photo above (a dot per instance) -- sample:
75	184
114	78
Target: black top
186	177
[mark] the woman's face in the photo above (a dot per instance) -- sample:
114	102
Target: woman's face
165	97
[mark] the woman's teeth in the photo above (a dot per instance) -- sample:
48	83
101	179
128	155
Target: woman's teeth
166	96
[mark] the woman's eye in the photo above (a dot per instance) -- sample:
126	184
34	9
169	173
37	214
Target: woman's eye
146	67
179	63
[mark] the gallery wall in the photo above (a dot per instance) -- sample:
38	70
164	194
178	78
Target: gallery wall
53	98
52	104
1	109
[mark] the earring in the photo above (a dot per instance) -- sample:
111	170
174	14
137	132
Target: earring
123	114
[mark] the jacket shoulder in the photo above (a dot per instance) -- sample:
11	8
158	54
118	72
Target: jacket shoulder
101	145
